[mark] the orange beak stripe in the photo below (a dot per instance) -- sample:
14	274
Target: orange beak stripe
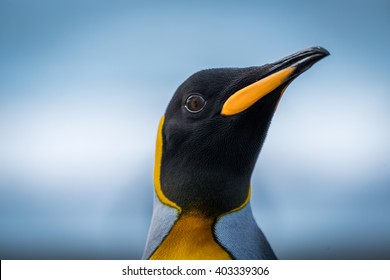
246	97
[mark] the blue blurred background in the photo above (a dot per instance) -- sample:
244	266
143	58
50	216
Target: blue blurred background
84	83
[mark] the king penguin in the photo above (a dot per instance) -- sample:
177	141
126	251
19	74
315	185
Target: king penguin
207	145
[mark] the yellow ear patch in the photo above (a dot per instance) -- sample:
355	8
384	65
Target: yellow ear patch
157	169
246	97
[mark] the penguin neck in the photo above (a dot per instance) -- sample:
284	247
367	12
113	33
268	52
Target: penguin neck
214	205
191	237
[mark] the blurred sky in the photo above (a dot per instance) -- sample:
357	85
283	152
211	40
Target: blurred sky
84	83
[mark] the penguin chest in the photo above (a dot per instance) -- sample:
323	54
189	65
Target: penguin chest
191	238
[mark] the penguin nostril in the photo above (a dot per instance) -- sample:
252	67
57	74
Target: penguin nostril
195	103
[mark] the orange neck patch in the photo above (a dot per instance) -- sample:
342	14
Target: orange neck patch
191	238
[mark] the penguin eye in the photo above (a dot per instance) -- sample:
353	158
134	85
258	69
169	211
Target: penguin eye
195	103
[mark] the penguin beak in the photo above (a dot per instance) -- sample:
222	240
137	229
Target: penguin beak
280	74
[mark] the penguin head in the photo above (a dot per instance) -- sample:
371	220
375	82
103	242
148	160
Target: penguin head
213	130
